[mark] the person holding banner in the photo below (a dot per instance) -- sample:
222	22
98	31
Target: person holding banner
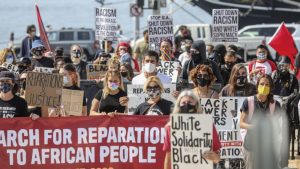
156	105
101	58
166	53
238	84
112	99
76	57
188	102
150	62
203	77
262	118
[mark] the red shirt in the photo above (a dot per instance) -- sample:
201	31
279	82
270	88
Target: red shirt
167	141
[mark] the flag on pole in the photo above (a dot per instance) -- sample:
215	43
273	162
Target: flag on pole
283	43
43	34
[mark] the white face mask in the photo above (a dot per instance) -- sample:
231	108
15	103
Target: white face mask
9	60
122	52
149	67
76	61
66	81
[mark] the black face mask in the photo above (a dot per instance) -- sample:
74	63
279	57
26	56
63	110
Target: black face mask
196	57
202	81
103	62
229	65
24	84
188	108
22	68
124	74
241	80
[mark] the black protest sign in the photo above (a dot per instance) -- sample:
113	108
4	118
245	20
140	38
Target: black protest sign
95	71
159	27
43	89
225	25
191	136
169	68
106	24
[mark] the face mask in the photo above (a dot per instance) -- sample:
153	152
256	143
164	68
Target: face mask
75	60
154	93
263	90
188	108
202	81
166	54
5	87
196	57
122	52
149	67
67	82
229	65
76	53
9	59
188	49
283	69
114	86
241	80
261	56
38	53
124	74
103	62
183	48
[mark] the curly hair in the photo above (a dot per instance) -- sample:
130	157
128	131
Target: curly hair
194	72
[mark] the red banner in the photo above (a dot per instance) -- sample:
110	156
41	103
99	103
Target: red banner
121	142
43	34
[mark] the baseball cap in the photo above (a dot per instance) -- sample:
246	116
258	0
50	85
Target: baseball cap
6	75
24	60
37	44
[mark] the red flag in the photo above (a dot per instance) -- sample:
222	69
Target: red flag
43	34
283	43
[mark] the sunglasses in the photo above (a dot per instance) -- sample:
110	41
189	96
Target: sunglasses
152	87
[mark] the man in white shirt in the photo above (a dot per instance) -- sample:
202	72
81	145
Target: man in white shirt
149	64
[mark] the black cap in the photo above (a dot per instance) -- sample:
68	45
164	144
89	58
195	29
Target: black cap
285	60
7	75
24	60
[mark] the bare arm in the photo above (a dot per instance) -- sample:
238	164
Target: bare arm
95	107
84	111
167	161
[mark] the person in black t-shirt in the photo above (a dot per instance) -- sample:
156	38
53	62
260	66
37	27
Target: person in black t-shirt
155	105
77	59
38	50
11	105
112	99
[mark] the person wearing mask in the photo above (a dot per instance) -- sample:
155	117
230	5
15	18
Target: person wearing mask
166	51
126	72
58	52
7	56
260	118
230	61
150	62
102	58
28	40
11	105
39	60
110	48
77	59
188	102
238	84
155	105
218	54
186	48
203	78
238	52
261	65
209	50
112	99
184	34
24	65
124	54
285	83
141	48
198	54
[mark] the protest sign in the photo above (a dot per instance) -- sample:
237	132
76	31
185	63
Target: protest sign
43	89
95	71
159	27
11	67
137	96
72	100
106	24
226	115
44	69
169	68
122	142
191	136
225	25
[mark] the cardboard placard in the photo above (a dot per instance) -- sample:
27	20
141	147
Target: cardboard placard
95	71
191	136
11	67
44	69
106	24
169	68
137	96
72	101
43	89
226	115
159	27
225	25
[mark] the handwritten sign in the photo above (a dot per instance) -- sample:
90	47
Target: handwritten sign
159	27
191	136
225	25
72	101
11	67
95	71
43	89
169	68
106	24
44	69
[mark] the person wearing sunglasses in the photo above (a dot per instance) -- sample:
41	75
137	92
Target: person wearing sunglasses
39	60
203	77
101	58
156	105
77	59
